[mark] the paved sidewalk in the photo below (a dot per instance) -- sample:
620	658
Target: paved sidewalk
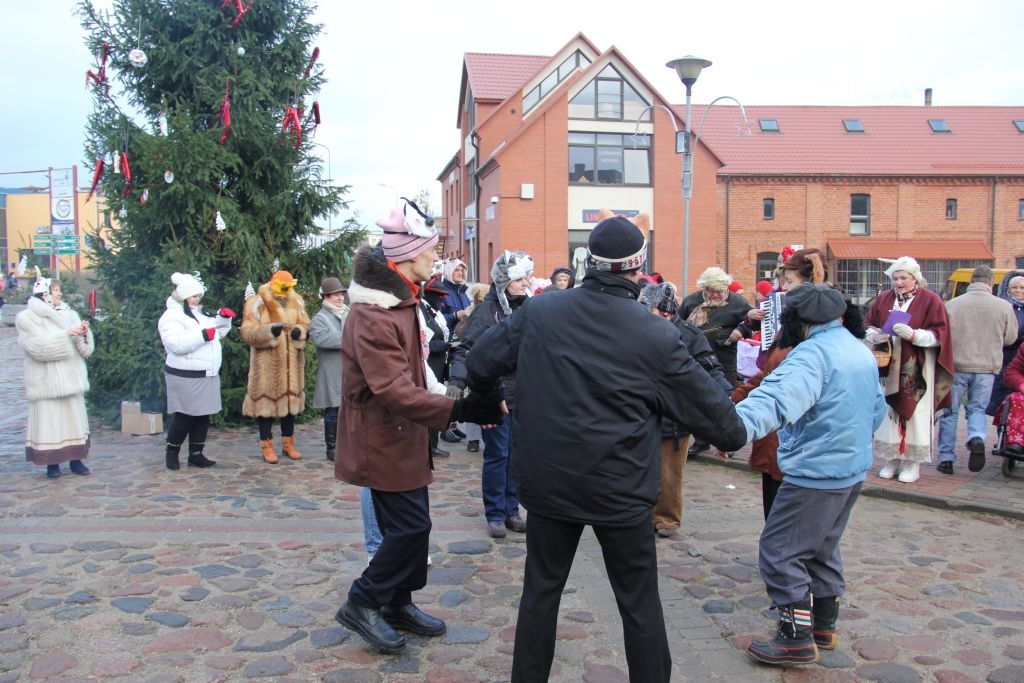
135	573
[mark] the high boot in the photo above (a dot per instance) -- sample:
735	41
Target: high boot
267	451
330	438
793	644
288	447
171	457
825	612
196	457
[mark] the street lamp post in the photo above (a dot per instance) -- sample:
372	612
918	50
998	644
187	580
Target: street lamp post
688	69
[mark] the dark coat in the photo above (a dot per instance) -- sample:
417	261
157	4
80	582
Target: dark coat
698	346
385	406
437	359
485	315
721	322
454	301
595	371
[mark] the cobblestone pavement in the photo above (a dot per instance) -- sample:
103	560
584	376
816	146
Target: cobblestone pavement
135	573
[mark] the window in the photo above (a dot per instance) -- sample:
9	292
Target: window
607	97
860	214
939	126
767	262
1020	209
950	209
769	125
572	62
608	159
768	209
1020	125
853	126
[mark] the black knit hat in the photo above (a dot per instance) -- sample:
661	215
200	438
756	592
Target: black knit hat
616	245
815	303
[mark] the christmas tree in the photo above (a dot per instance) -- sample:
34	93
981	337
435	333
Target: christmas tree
200	140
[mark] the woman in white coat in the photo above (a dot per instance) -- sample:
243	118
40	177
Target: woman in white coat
56	344
192	369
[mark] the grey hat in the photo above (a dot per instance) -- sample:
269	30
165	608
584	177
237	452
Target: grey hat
661	297
331	285
815	303
511	265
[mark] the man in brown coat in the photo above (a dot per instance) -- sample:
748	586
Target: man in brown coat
386	410
275	325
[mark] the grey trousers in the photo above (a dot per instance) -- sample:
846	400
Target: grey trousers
799	549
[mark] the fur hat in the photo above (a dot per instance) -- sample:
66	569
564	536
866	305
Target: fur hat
815	304
41	285
331	285
408	232
616	245
714	278
735	287
764	288
810	263
661	297
450	265
907	265
186	286
512	265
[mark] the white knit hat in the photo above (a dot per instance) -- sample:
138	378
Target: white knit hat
907	265
187	285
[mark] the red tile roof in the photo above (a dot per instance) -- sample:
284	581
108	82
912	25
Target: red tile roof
922	250
895	141
495	77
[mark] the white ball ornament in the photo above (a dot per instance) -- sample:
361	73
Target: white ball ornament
241	51
137	58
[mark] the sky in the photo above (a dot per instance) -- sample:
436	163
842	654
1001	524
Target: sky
394	69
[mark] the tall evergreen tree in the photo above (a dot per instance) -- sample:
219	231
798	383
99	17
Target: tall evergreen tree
203	113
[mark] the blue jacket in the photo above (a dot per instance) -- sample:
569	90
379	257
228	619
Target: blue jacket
454	301
826	403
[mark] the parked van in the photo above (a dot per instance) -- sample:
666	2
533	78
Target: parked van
961	277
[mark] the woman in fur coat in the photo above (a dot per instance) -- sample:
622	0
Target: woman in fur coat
275	326
56	344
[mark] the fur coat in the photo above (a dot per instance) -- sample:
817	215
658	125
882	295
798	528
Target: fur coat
277	377
54	361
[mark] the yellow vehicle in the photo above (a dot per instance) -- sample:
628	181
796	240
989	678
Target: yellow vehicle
961	277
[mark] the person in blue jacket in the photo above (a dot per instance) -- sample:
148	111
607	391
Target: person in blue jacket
826	402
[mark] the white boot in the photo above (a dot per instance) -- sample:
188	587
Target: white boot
889	470
910	473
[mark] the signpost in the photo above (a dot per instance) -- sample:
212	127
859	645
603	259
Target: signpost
56	244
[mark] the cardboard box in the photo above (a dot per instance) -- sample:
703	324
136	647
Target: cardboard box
134	421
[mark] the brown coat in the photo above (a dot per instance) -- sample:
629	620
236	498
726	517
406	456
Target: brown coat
764	452
386	409
277	365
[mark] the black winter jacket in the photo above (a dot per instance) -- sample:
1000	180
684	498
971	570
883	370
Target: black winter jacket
594	372
485	315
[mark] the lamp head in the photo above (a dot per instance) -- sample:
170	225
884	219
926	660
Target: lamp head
688	69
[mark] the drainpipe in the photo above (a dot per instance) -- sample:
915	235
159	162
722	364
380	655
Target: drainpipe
728	187
992	220
474	247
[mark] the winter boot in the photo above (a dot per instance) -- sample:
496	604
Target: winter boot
825	612
267	451
171	457
288	447
196	457
793	644
330	438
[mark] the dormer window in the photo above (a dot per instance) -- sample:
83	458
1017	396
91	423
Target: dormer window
1019	123
939	126
853	126
769	125
577	60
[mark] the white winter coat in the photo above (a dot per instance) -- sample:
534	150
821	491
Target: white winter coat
54	360
182	337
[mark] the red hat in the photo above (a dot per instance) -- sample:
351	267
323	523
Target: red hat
735	286
764	288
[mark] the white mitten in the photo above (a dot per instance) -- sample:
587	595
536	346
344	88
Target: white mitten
905	331
876	336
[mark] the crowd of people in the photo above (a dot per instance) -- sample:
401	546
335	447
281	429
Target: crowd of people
410	356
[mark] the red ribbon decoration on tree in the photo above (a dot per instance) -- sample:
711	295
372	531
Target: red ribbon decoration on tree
241	10
314	113
92	303
292	122
127	171
96	175
100	78
225	115
312	61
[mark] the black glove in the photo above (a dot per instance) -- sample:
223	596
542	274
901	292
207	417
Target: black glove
481	409
296	333
275	329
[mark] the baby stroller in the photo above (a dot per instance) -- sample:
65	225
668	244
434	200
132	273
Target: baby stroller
1009	421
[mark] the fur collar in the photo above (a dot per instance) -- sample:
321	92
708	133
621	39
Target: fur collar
45	310
374	283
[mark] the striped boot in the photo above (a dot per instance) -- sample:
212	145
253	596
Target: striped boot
793	644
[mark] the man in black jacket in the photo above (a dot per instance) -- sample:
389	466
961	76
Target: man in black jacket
592	457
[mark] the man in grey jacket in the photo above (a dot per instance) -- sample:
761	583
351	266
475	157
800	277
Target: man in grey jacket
980	325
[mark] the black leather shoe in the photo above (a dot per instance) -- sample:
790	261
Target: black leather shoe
458	432
411	618
516	523
368	623
946	467
451	437
695	448
977	460
439	452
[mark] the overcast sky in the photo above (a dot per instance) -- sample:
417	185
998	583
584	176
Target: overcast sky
389	109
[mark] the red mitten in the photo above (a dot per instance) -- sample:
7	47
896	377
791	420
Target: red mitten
226	313
210	333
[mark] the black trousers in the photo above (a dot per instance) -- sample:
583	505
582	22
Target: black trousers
266	423
631	560
195	427
399	566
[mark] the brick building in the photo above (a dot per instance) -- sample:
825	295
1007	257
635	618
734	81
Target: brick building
550	140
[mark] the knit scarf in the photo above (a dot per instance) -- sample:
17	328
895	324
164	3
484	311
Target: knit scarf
699	316
339	311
